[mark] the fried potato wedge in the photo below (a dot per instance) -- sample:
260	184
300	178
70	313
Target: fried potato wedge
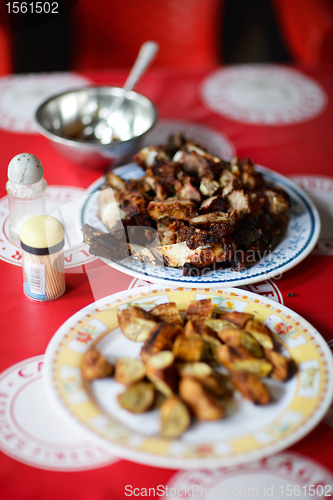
162	373
167	313
251	387
138	398
240	359
95	365
160	338
237	318
129	371
217	385
195	328
163	359
260	332
213	381
136	323
202	404
197	369
218	325
199	327
199	309
280	365
189	348
236	337
175	418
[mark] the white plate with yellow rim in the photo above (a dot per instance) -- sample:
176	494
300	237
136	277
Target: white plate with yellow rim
248	432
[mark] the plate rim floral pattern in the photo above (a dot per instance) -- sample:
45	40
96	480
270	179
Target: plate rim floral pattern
61	356
261	270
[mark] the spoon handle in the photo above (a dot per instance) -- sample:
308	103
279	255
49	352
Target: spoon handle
146	54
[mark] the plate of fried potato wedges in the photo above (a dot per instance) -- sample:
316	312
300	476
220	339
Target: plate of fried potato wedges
189	378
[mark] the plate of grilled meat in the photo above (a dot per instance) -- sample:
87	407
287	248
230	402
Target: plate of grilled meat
193	378
183	216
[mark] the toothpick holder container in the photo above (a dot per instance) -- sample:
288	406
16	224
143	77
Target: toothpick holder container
42	242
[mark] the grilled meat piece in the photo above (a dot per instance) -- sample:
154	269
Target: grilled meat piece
90	232
276	200
215	227
176	209
210	220
135	207
177	255
111	246
113	181
253	234
165	172
176	232
240	202
109	211
186	191
251	179
208	186
214	204
147	156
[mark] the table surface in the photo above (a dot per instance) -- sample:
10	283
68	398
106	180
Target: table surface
298	144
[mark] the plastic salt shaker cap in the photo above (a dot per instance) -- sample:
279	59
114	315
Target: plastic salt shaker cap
25	169
43	232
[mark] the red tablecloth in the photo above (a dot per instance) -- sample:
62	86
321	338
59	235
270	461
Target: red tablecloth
304	149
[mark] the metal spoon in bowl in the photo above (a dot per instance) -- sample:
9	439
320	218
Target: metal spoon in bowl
101	130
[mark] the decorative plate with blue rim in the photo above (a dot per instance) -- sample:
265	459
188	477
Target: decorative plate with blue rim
296	242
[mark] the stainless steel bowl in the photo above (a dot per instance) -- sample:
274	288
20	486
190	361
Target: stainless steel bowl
63	117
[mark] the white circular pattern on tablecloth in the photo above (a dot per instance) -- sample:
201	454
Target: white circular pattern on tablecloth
33	433
284	475
21	94
66	198
263	94
320	190
267	288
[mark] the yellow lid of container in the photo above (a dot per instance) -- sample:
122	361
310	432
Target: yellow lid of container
42	231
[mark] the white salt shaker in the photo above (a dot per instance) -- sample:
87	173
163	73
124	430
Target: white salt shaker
26	188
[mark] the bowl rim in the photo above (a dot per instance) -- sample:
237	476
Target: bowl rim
81	142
